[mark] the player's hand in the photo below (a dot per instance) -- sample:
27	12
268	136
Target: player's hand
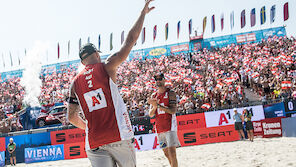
146	7
152	102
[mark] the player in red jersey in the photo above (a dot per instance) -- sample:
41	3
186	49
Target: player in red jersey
164	106
109	134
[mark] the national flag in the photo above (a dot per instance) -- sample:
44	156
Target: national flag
232	20
168	83
286	11
213	23
286	84
204	24
190	26
187	81
58	50
111	44
143	35
11	62
206	106
166	31
229	80
272	14
255	75
154	32
243	18
88	40
253	17
124	89
79	43
99	42
178	29
220	85
222	21
262	15
122	37
68	47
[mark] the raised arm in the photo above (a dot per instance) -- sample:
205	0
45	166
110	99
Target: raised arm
73	110
116	59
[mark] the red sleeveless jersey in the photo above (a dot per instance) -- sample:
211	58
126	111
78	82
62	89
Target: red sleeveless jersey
164	121
106	114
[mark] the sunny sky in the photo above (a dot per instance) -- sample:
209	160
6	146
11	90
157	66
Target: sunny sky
23	22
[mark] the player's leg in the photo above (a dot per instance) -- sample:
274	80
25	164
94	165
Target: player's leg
99	157
166	153
173	156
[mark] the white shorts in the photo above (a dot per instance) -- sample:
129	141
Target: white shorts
168	139
121	153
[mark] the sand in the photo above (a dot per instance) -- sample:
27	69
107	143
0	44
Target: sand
263	152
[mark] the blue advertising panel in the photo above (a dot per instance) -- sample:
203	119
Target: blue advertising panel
2	158
30	140
274	110
45	153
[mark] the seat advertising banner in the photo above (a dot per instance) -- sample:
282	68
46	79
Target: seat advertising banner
225	117
191	121
208	135
274	110
75	150
45	153
146	142
67	136
2	158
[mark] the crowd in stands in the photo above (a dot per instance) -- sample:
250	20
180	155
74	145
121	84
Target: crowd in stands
204	80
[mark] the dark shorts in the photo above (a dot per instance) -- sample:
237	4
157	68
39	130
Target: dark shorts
12	154
238	126
249	125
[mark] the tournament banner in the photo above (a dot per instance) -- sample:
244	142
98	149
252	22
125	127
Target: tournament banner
141	125
180	48
2	144
274	110
2	158
146	142
67	136
208	135
45	153
191	121
75	150
225	117
290	108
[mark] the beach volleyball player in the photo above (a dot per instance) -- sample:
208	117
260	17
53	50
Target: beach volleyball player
164	106
109	134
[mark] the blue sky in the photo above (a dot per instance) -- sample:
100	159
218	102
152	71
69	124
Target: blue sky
52	21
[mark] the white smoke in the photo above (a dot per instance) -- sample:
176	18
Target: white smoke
31	75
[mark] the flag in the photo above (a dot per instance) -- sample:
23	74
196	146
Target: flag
204	24
68	47
111	38
243	18
286	84
272	14
222	21
262	15
166	30
178	29
88	40
11	63
79	43
99	42
3	60
232	20
143	35
154	32
213	23
286	11
58	50
190	26
253	17
122	37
